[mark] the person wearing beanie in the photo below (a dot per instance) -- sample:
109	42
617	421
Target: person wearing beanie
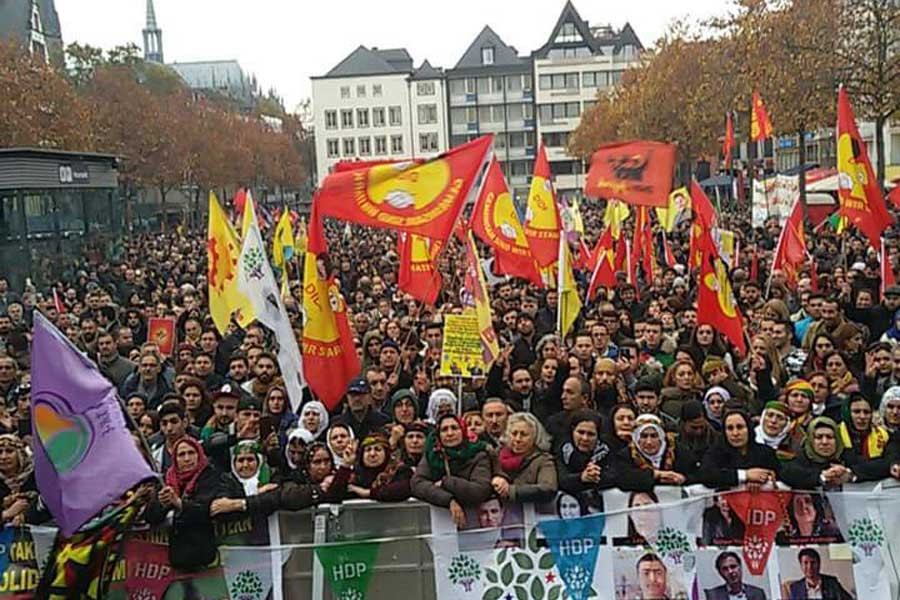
696	435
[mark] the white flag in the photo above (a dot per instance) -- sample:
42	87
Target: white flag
257	282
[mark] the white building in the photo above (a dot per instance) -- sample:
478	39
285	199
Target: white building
375	106
576	64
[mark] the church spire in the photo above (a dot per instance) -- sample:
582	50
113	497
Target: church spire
153	48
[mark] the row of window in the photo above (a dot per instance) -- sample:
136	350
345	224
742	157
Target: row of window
491	85
423	88
377	145
427	115
570	81
497	113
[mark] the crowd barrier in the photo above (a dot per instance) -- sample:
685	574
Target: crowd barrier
677	544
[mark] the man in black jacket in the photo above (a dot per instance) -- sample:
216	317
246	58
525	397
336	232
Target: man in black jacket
814	583
359	414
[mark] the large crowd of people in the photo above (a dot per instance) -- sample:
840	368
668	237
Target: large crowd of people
636	395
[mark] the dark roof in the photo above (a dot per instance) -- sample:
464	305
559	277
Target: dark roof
15	18
628	36
32	151
364	61
504	54
569	14
426	71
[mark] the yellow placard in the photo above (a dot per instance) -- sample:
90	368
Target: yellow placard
462	355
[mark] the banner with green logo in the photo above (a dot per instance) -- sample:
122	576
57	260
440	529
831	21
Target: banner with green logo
348	567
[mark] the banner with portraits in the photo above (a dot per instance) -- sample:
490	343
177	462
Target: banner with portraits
675	544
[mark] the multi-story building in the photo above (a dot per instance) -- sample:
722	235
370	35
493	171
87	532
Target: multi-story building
576	64
35	24
491	90
374	105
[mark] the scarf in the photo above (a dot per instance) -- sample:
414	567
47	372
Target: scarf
184	482
307	458
335	456
317	407
375	477
440	459
772	441
726	396
510	462
844	384
810	451
893	334
260	477
892	394
871	443
26	465
666	453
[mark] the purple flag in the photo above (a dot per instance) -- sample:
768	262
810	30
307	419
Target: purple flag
84	456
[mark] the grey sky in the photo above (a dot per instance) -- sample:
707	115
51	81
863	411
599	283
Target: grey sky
284	42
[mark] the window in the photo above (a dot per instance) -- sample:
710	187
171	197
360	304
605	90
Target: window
484	85
629	52
360	91
589	104
616	77
334	148
484	114
365	146
498	114
526	82
428	142
425	88
568	33
330	119
345	91
517	139
514	83
515	112
349	147
427	114
571	81
500	141
471	114
559	139
396	116
546	113
497	85
376	90
457	87
378	117
347	119
362	117
396	144
458	116
545	82
380	145
487	56
573	110
528	111
470	85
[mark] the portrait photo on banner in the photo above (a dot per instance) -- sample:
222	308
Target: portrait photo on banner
722	575
639	574
640	523
810	520
822	571
721	525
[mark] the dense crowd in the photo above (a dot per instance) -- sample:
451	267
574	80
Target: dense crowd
636	395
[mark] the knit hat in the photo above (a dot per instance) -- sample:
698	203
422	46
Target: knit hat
800	385
711	364
606	365
403	394
777	405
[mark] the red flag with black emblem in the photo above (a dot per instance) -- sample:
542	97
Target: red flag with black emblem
419	276
495	221
716	305
638	173
422	198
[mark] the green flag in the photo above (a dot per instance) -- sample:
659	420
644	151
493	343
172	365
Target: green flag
349	568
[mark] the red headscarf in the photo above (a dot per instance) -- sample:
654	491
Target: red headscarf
184	482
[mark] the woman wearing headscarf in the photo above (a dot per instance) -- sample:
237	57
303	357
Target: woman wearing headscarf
655	454
617	434
889	409
371	348
339	437
277	406
314	419
455	471
738	459
412	446
379	473
798	396
249	468
862	439
585	462
892	335
523	470
18	488
714	401
441	402
773	428
298	440
840	377
822	464
191	484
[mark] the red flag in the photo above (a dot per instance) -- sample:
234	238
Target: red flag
423	198
620	262
760	125
542	219
791	253
894	196
667	253
728	144
716	305
419	276
887	270
161	331
638	173
495	221
58	303
763	515
704	220
240	199
604	271
642	245
861	199
754	265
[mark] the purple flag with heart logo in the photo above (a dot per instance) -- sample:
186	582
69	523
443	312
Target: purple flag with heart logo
84	456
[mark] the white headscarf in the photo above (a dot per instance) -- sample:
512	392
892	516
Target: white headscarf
335	455
298	433
892	394
772	441
318	407
648	421
251	484
439	397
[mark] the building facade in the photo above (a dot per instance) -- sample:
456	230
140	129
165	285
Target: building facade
575	64
491	90
374	105
34	24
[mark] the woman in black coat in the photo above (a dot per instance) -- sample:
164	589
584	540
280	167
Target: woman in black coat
584	462
191	485
653	457
18	489
738	458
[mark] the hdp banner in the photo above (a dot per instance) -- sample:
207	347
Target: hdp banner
763	515
348	568
637	172
575	544
858	516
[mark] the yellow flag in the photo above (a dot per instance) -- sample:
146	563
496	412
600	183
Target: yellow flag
679	202
222	252
569	301
283	242
616	212
300	242
249	215
477	289
577	220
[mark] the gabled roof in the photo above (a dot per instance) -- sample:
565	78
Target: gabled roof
628	36
426	71
504	54
364	61
569	15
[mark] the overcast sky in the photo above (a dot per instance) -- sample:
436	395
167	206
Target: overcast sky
284	42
